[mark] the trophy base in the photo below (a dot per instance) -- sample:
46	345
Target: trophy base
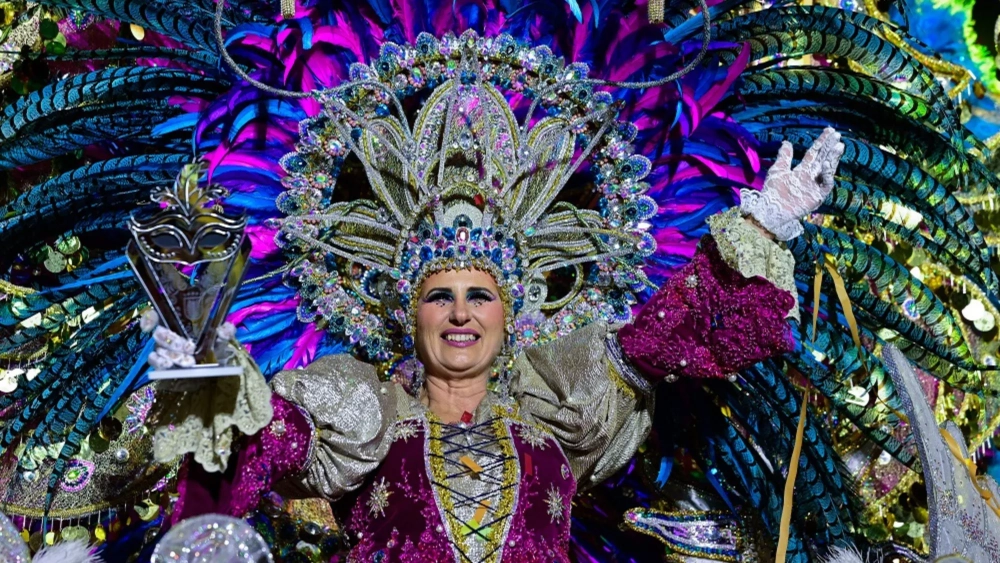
196	371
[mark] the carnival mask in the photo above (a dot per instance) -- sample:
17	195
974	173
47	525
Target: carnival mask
190	259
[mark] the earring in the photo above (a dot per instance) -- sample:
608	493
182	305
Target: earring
410	374
503	368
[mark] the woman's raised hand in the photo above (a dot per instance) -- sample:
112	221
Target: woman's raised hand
791	193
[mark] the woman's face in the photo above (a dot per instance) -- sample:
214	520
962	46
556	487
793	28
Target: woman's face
460	323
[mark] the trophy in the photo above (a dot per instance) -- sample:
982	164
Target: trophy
190	259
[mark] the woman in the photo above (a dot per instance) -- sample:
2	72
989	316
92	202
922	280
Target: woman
452	253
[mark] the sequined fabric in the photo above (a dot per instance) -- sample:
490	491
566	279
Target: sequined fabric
567	388
352	411
708	321
541	528
961	521
408	528
279	451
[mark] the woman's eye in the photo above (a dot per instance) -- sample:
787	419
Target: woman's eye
478	297
439	297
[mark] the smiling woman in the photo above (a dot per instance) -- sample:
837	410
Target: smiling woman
460	332
438	464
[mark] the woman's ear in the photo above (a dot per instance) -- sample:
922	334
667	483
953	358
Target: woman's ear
996	42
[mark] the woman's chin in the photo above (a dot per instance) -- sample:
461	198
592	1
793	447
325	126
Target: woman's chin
462	369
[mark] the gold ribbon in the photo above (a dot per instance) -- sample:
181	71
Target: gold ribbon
845	301
793	472
822	266
970	466
288	9
15	290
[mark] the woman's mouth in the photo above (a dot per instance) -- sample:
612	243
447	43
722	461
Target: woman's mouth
460	338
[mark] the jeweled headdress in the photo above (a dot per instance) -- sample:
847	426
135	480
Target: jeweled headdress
377	199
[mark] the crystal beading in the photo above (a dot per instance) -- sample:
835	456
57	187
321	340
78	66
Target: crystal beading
376	199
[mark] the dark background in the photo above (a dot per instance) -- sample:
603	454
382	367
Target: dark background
985	13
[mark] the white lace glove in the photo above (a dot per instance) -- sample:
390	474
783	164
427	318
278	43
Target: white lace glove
175	351
791	193
202	415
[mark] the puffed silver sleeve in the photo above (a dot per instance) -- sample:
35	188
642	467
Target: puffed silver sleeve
351	412
581	390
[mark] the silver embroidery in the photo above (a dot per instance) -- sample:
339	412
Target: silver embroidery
555	503
379	499
403	430
533	436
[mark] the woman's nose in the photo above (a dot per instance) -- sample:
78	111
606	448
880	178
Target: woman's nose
460	312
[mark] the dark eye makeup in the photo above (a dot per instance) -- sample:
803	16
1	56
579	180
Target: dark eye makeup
439	295
475	295
480	295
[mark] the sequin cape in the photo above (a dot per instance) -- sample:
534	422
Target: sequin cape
578	410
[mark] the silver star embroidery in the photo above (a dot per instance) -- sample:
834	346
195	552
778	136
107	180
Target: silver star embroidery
555	502
533	436
403	431
379	500
691	281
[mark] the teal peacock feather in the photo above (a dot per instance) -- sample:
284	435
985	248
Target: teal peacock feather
42	391
863	204
173	21
53	121
195	59
837	33
762	424
883	288
874	167
821	490
906	122
109	374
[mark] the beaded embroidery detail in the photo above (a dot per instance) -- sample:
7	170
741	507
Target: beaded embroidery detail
379	499
555	504
533	436
494	462
702	534
404	430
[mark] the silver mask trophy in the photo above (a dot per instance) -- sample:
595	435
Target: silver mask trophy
190	259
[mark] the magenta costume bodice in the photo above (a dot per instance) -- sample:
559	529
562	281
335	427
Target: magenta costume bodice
414	507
